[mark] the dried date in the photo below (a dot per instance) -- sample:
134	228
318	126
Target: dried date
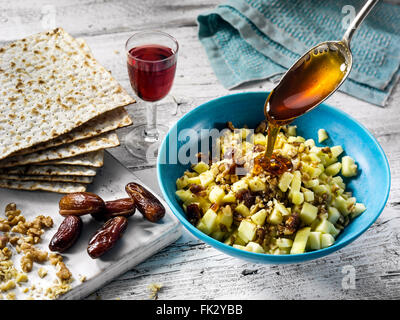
121	207
67	234
246	196
193	213
107	236
148	205
81	203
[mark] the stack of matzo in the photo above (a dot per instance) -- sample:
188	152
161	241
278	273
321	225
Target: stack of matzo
59	109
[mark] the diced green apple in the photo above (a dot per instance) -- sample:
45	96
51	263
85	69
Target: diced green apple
194	180
292	139
206	178
242	210
201	167
259	217
209	221
288	149
333	215
284	243
340	203
300	241
281	208
311	183
349	167
238	246
255	247
326	226
321	189
314	240
275	217
308	213
186	196
292	131
229	198
259	138
256	185
239	185
181	182
297	197
339	181
296	182
247	231
314	158
225	217
322	135
308	195
216	195
336	151
310	143
333	169
285	181
357	210
327	240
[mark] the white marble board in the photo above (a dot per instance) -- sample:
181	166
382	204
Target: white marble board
141	240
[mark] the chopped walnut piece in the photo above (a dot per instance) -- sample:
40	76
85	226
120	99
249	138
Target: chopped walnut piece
55	258
19	228
42	272
3	241
11	296
26	263
63	273
14	240
21	277
292	224
230	126
37	255
5	254
262	126
10	207
4	225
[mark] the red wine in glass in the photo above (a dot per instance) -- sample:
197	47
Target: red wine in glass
151	70
151	60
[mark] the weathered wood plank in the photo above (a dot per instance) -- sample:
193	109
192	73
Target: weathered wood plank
193	270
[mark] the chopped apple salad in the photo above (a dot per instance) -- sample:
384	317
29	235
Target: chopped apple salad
302	209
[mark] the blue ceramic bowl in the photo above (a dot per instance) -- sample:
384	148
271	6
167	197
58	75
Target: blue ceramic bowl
371	186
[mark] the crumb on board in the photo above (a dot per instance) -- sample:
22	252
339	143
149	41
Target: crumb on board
155	288
42	272
25	235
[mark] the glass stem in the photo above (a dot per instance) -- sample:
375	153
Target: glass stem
151	126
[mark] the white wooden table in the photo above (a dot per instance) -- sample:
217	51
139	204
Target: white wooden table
190	269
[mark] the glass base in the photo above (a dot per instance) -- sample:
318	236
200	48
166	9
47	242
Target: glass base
144	146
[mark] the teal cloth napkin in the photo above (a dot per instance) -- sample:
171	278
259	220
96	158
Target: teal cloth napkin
248	40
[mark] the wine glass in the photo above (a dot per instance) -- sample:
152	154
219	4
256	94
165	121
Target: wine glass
151	61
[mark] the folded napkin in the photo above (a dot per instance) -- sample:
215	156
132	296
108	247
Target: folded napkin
249	40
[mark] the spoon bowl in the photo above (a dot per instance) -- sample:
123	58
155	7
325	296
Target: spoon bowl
310	81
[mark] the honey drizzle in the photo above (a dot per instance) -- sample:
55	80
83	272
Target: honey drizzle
274	165
313	78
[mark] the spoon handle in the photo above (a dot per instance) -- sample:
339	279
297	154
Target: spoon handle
365	10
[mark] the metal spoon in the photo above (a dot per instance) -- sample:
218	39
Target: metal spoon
342	46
